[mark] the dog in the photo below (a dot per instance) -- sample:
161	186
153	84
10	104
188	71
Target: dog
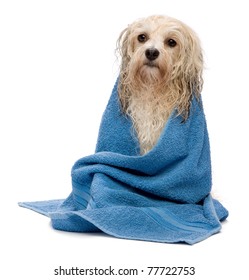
161	70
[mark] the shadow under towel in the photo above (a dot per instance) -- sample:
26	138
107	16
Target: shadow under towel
162	196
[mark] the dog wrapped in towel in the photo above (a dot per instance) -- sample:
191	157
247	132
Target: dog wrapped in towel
132	188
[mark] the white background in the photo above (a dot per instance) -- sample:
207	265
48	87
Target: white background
57	70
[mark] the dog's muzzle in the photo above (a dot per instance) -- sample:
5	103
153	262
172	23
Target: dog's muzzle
152	54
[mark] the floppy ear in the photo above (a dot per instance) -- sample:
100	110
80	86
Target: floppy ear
194	64
122	50
187	73
122	43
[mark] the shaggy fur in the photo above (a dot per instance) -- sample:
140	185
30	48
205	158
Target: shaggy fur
149	89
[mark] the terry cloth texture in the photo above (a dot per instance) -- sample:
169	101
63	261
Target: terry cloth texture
162	196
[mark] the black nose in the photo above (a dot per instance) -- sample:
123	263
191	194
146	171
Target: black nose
152	54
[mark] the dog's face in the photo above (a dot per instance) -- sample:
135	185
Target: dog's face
153	46
159	50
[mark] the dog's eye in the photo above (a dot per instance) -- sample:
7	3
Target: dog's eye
142	38
171	43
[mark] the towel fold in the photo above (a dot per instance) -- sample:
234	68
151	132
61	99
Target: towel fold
162	196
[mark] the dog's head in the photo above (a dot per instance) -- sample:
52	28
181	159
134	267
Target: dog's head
162	54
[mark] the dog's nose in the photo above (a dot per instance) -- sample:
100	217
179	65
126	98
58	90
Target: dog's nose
152	53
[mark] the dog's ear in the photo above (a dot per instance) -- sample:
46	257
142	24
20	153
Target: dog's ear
122	43
187	73
194	63
123	52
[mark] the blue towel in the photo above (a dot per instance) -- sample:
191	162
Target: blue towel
162	196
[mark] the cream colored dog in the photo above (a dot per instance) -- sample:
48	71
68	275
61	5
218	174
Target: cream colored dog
161	69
